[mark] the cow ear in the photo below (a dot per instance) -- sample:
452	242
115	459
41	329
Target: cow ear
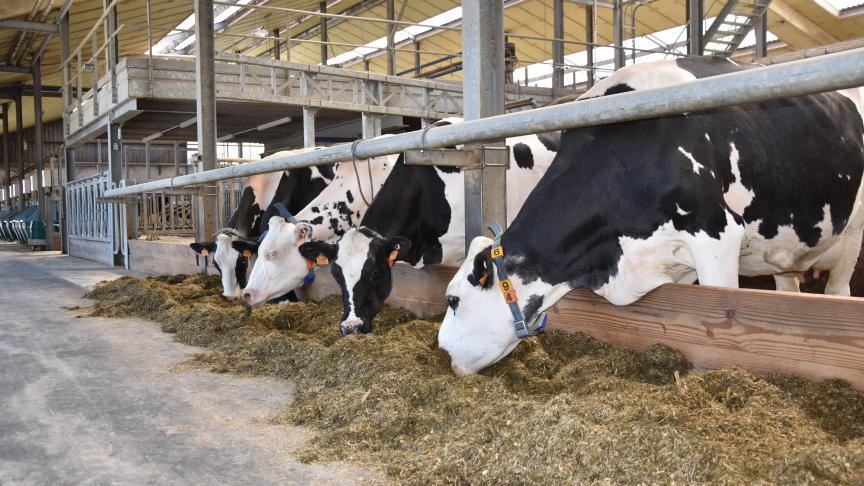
203	248
246	248
302	232
396	248
319	252
483	274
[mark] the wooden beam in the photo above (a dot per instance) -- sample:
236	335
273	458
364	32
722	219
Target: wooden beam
29	26
814	336
802	23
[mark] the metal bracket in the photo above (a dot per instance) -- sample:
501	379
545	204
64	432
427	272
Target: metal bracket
467	158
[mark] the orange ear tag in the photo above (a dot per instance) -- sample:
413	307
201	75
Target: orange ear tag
205	252
483	279
322	260
393	254
309	265
247	253
508	291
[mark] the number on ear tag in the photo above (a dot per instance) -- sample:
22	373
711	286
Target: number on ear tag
508	291
497	252
205	252
247	253
322	260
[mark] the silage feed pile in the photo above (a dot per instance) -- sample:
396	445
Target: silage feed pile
563	409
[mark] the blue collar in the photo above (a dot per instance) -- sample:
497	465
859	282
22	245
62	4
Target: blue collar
522	329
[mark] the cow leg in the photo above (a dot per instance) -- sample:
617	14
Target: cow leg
841	272
785	283
716	260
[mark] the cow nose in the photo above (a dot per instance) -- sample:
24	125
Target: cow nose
247	297
229	296
460	371
351	326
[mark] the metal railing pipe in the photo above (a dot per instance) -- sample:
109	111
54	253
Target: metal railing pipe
824	73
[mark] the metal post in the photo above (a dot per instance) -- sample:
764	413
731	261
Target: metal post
618	33
65	51
391	31
324	37
417	59
762	36
19	141
557	45
371	125
39	155
483	87
113	50
8	171
277	44
694	27
589	37
205	91
308	113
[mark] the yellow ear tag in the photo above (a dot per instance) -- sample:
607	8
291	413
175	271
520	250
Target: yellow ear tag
508	291
322	260
247	253
205	252
497	252
392	258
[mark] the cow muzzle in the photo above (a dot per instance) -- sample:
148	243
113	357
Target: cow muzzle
350	326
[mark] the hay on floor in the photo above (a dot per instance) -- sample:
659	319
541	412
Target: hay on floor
562	409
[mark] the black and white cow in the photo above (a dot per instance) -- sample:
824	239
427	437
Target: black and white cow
279	267
418	218
770	188
295	189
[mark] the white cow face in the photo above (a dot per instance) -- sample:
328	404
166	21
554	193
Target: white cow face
279	268
478	328
231	263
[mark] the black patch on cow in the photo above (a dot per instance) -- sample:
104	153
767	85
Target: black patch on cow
449	169
240	270
617	88
327	171
315	209
628	179
296	190
317	220
411	203
349	196
550	140
707	66
245	219
453	302
533	305
524	157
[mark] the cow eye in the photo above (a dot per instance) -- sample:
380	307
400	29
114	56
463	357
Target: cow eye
270	255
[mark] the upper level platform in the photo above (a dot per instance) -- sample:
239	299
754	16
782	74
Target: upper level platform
157	95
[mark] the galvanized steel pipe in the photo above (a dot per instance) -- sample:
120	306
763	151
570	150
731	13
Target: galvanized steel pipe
807	76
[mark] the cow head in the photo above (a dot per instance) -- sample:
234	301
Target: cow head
361	263
280	268
231	263
478	330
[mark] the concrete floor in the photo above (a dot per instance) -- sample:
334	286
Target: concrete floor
94	401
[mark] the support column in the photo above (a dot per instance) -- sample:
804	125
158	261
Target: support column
19	152
589	36
371	125
391	31
113	48
205	91
762	36
308	112
324	36
8	170
417	59
115	169
65	50
277	44
618	33
557	45
39	154
483	87
694	27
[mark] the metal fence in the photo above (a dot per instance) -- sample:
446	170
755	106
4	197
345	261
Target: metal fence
86	217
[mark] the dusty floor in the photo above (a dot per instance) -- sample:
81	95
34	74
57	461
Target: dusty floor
95	401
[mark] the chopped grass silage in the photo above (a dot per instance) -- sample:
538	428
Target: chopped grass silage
562	409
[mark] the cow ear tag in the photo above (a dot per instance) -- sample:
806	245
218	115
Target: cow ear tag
205	252
322	260
247	253
393	254
482	280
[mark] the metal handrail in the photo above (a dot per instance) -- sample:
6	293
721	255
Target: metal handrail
825	73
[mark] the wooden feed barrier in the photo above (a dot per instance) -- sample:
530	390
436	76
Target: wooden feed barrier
809	335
